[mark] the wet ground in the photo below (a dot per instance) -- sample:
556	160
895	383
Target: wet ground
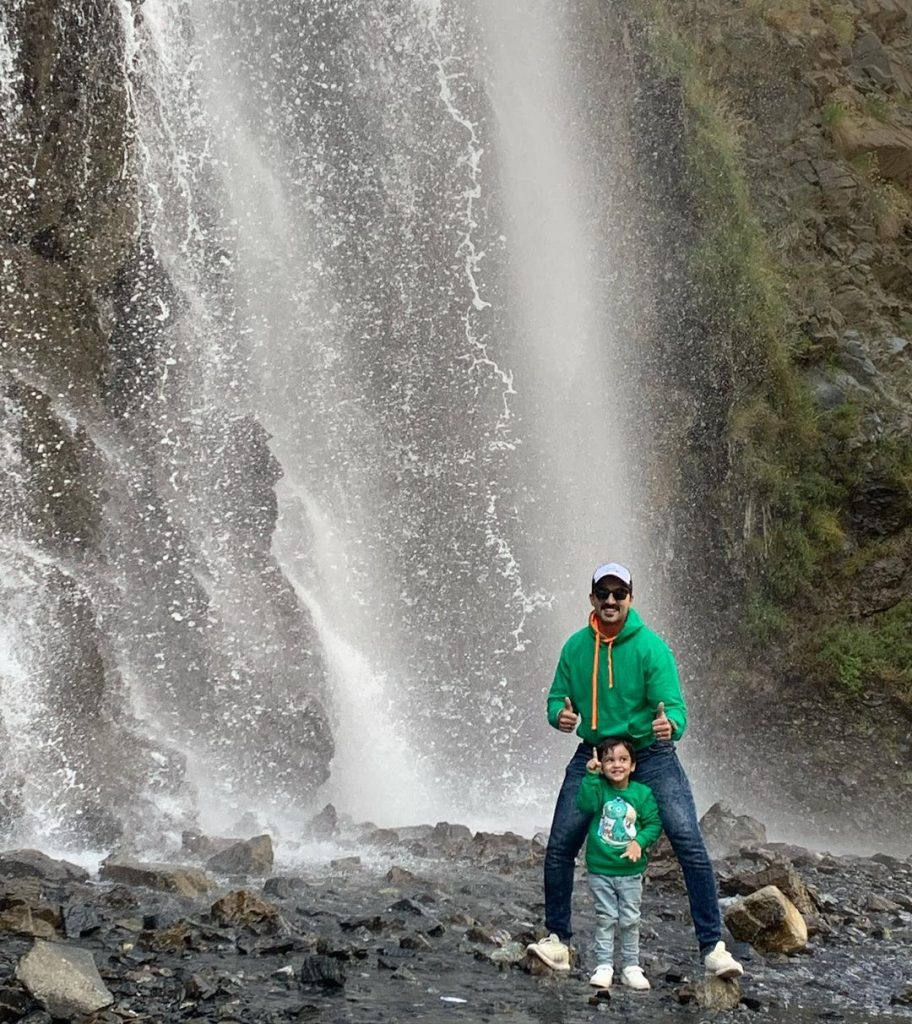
434	930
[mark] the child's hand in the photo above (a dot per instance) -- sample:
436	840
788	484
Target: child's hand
633	852
594	764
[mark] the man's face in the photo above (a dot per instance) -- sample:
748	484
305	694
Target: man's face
611	600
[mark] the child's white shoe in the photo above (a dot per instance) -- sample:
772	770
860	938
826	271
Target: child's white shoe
604	975
633	977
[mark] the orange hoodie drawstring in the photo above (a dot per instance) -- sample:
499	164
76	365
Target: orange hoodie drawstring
609	640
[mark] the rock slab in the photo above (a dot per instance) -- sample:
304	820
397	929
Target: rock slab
249	857
163	877
63	979
769	921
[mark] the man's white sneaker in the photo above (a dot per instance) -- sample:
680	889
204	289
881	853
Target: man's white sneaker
604	975
721	963
552	952
633	977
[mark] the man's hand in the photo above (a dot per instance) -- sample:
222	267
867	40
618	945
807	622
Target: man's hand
633	852
662	727
594	764
567	719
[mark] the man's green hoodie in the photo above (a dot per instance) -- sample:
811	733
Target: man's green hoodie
615	685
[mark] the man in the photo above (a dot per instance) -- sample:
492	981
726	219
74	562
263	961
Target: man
615	677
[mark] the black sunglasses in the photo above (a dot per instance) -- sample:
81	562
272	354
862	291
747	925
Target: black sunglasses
620	594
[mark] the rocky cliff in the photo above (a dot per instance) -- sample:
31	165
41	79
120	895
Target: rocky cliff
784	172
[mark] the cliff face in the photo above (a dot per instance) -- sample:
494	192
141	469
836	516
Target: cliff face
786	190
113	597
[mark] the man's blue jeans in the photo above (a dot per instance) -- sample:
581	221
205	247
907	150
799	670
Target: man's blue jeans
659	768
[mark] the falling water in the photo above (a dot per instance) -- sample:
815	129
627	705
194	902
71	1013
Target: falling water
391	239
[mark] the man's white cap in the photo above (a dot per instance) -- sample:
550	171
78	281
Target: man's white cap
612	569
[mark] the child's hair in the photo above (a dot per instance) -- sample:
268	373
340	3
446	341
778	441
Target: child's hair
616	741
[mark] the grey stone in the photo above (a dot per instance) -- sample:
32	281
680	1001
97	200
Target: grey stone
243	909
164	877
63	979
896	345
855	359
726	833
824	392
284	887
248	857
868	53
782	875
34	863
323	825
769	921
712	994
322	971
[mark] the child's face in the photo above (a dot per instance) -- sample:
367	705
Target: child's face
617	764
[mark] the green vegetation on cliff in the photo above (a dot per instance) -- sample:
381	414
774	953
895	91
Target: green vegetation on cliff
805	477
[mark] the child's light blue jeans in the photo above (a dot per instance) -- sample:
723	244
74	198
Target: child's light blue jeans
617	908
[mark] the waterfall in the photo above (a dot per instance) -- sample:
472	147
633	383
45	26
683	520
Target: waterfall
380	296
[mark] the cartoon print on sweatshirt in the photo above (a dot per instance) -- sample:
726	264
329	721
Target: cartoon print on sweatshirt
617	826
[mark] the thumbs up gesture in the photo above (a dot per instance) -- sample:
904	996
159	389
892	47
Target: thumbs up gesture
567	719
662	727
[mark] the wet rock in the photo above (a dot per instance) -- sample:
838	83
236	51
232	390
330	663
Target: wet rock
400	876
345	863
249	857
415	833
373	924
799	856
80	919
323	825
781	874
199	845
769	921
34	863
200	986
321	971
14	1002
407	906
712	994
284	887
418	941
451	839
382	837
880	905
244	909
38	921
902	997
177	937
63	979
164	877
391	959
726	833
508	954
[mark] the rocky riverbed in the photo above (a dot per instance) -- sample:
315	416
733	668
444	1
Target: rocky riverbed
424	923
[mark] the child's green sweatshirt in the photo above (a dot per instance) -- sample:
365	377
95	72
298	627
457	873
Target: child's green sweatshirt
618	815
